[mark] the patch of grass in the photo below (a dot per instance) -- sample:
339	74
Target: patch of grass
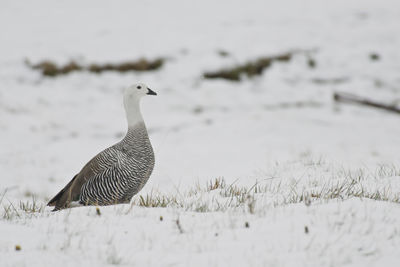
387	171
11	211
50	69
151	201
249	69
139	65
319	183
215	184
217	195
31	206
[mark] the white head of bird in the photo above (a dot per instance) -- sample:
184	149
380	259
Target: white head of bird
132	96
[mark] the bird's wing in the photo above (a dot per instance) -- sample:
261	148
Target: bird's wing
102	163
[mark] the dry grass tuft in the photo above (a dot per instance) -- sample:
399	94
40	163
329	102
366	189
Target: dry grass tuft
320	183
151	201
218	183
51	69
250	69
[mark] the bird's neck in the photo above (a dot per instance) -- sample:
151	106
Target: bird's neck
133	114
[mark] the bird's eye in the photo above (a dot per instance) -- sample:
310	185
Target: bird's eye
139	87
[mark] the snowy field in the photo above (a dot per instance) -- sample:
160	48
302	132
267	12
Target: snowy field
268	171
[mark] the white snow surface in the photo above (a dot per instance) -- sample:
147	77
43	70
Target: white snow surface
246	132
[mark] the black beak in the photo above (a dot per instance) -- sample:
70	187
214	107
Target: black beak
151	92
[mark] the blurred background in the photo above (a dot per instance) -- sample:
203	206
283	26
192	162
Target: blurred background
242	86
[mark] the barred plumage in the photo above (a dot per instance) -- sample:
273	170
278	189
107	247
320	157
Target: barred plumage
128	166
119	172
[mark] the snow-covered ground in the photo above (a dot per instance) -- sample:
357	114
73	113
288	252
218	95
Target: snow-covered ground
281	130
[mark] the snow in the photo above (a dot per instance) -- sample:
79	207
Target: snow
246	132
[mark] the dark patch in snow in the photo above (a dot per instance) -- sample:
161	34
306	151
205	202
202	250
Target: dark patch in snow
51	69
374	56
250	69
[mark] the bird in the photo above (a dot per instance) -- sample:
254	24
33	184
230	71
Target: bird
119	172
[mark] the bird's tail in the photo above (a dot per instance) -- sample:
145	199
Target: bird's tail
54	200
